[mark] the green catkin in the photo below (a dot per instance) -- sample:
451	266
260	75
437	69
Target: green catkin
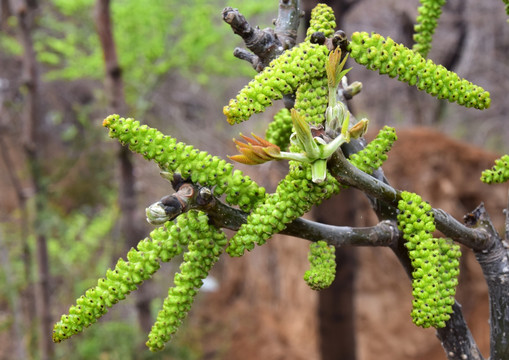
283	76
312	98
374	154
377	53
429	13
203	252
280	129
294	196
506	2
299	70
435	263
322	20
499	173
322	258
191	163
163	244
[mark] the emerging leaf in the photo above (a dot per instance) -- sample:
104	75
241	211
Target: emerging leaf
255	151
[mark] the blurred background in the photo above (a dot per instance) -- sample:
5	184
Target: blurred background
72	200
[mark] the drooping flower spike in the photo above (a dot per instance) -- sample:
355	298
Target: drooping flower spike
375	153
435	263
322	20
377	53
164	243
178	157
322	258
294	196
429	13
499	173
300	70
204	249
284	75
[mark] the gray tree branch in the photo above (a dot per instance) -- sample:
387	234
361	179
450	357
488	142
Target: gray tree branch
265	44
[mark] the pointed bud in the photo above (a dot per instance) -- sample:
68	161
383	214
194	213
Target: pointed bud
352	90
359	129
156	215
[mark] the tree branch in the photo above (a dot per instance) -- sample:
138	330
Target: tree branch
265	44
494	263
190	196
349	175
456	338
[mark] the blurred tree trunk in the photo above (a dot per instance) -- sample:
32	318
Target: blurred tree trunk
131	232
336	311
13	297
32	141
5	11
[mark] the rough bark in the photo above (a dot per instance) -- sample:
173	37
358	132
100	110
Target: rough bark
494	261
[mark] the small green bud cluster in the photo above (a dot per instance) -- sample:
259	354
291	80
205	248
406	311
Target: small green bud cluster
312	98
499	173
322	20
198	166
205	246
375	153
164	243
429	13
322	272
435	263
283	76
280	129
377	53
294	196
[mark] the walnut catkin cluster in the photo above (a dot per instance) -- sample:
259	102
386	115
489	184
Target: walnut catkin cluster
294	196
322	258
435	262
322	20
377	53
203	251
375	153
283	76
191	163
499	173
429	13
300	70
163	244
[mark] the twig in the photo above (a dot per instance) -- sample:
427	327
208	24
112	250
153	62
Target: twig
494	263
287	22
265	44
191	196
349	175
456	338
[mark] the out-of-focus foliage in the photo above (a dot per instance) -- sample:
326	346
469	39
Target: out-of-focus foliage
151	39
117	340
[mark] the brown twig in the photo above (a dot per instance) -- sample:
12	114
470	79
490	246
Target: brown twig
266	44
